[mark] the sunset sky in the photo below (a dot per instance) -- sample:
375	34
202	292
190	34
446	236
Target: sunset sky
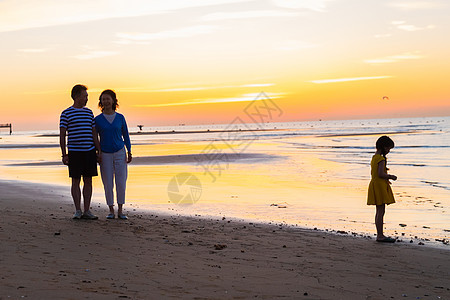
201	62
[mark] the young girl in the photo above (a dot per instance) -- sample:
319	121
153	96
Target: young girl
380	192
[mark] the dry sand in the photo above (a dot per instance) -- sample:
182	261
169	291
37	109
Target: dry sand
47	255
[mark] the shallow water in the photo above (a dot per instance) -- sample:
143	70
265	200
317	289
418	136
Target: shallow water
312	174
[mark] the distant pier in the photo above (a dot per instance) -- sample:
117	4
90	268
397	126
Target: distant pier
6	126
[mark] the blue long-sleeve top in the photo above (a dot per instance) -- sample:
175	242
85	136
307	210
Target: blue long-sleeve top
113	136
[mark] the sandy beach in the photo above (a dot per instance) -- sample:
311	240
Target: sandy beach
319	171
45	254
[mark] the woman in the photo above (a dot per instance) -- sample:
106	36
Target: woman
113	131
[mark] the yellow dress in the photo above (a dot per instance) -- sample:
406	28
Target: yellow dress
380	191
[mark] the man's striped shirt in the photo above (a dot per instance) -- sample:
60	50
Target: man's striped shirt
79	123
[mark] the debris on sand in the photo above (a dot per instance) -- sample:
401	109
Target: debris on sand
280	205
220	246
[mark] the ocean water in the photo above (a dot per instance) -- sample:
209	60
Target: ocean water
310	174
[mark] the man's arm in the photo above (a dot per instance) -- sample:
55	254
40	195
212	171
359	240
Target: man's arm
97	144
62	144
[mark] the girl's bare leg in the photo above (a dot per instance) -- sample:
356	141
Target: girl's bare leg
379	217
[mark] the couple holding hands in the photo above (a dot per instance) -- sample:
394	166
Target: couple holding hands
102	139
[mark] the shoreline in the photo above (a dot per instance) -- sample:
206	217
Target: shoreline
407	120
175	210
185	131
47	254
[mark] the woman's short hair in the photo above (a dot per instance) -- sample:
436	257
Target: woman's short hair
113	96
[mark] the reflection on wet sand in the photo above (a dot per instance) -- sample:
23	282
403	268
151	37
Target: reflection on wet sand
175	159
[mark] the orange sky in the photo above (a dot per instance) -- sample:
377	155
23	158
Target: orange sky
200	62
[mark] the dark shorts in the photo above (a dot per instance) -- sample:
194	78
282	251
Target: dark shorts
82	163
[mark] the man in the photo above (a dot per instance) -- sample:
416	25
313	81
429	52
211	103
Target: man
83	149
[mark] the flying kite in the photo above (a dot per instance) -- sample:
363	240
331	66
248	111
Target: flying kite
385	98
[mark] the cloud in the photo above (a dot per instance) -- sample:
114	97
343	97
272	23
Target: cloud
49	92
242	98
35	50
290	45
95	54
56	92
412	5
256	85
247	15
348	79
403	26
313	5
167	34
383	35
149	90
188	89
408	27
393	58
27	14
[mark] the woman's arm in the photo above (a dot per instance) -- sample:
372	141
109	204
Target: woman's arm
126	139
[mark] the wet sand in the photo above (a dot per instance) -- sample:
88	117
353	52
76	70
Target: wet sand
177	159
45	254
